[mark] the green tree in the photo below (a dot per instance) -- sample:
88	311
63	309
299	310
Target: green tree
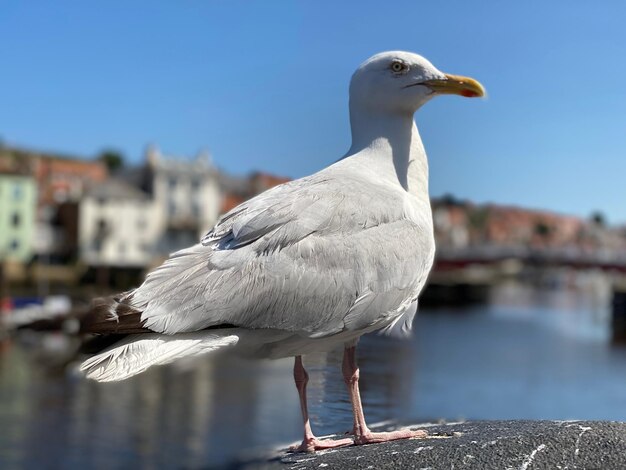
598	218
113	159
449	199
478	218
542	229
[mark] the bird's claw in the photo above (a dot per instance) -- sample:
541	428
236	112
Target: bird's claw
376	437
313	444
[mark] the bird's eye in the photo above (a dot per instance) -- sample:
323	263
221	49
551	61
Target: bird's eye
399	67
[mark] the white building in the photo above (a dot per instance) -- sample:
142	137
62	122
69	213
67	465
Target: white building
117	226
141	216
187	196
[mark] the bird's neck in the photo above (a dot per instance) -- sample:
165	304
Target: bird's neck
394	144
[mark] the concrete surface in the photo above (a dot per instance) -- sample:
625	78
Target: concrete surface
523	445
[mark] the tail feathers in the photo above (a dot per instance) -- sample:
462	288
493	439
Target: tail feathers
136	353
401	326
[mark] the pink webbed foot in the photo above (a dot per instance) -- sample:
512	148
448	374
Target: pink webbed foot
375	437
313	444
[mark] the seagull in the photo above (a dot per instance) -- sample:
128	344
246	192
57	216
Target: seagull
308	265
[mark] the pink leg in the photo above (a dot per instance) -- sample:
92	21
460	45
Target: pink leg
310	443
362	434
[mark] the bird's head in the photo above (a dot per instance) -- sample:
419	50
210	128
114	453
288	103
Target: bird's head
399	81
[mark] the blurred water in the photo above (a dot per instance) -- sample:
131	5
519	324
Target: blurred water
527	355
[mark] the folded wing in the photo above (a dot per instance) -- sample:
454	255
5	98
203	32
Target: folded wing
303	257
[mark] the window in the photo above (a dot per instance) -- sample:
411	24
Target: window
102	229
172	207
15	245
195	209
172	182
16	219
17	192
195	185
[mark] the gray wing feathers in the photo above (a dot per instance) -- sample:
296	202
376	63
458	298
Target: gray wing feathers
300	257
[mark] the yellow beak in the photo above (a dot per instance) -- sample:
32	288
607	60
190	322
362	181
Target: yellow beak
456	85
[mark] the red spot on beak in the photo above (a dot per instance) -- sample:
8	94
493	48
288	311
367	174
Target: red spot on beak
469	93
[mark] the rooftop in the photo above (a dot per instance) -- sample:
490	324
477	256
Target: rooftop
116	189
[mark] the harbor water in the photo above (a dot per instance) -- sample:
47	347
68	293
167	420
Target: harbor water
526	354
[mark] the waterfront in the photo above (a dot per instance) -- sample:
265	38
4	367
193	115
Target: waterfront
527	354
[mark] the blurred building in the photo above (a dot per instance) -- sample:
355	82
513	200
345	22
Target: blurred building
236	190
451	227
61	182
117	226
18	197
461	226
64	179
81	217
142	214
187	198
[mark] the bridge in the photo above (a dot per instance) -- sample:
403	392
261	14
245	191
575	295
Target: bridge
605	259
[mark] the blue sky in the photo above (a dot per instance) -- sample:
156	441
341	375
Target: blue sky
263	85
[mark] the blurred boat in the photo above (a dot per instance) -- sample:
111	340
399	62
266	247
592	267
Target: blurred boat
22	312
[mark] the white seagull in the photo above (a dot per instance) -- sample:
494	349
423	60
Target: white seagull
307	265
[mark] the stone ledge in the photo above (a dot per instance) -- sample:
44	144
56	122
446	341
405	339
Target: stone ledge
521	445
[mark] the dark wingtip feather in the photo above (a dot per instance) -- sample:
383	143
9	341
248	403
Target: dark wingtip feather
113	315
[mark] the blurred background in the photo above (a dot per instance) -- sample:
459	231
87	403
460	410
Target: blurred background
128	129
